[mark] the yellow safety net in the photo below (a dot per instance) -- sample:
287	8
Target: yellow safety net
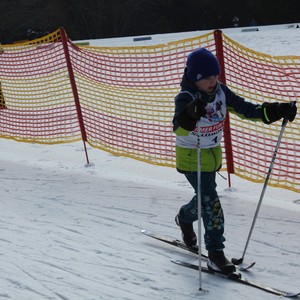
264	78
123	98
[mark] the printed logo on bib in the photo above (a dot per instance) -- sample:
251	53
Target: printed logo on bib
215	111
212	124
210	135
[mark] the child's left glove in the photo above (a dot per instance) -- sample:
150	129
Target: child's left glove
272	112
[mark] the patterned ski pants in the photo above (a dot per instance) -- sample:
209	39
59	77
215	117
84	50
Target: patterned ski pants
211	210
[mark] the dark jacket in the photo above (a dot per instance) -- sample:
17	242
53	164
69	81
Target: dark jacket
222	100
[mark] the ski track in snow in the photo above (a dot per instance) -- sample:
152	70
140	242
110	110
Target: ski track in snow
74	233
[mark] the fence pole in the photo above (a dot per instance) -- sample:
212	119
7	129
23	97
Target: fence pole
74	90
227	131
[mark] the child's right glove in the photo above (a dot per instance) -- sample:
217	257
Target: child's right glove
192	112
272	112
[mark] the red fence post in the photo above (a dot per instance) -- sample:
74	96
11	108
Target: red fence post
74	89
227	130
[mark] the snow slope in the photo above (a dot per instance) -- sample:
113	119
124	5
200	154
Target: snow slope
281	39
70	231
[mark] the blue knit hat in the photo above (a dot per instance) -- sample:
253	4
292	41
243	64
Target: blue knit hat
202	64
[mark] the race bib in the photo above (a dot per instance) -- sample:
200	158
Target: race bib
211	126
210	134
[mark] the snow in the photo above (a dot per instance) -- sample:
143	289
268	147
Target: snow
277	40
71	231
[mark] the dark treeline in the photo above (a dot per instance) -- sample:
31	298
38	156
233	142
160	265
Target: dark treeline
90	19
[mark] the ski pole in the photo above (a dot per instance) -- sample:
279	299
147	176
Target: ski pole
203	291
238	261
199	200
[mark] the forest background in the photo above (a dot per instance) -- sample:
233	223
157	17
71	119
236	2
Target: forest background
95	19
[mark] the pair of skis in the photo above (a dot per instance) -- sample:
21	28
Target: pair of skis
237	277
182	245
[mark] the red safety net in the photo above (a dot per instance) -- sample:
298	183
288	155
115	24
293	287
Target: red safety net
121	100
38	104
127	94
263	78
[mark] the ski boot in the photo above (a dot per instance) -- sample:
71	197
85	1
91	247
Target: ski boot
188	235
217	262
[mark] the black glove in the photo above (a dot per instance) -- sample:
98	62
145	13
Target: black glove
192	113
272	112
196	109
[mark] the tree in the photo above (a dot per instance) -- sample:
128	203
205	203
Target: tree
18	16
87	19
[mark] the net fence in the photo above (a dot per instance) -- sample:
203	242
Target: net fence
37	100
263	78
123	98
127	95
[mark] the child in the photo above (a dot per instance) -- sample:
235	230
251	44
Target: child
204	101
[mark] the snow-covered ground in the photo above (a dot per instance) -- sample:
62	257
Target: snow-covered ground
70	231
281	39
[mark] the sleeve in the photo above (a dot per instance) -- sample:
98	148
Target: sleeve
238	106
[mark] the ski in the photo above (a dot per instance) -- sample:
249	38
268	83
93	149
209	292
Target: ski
182	245
173	242
237	277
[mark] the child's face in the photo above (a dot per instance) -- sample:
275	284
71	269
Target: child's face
207	85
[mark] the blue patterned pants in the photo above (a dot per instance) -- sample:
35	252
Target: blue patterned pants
211	210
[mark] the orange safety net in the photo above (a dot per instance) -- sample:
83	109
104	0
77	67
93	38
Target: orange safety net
123	100
127	96
263	78
36	92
